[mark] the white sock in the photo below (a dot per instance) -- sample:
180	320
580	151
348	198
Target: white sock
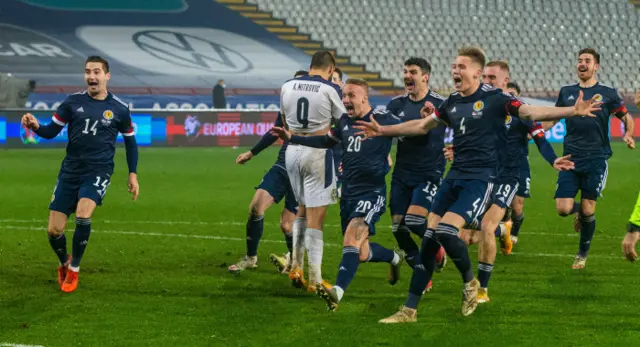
339	292
396	259
298	230
74	268
315	246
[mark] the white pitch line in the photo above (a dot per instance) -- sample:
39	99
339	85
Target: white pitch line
234	223
6	344
225	238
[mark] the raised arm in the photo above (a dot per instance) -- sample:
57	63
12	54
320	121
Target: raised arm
547	113
415	127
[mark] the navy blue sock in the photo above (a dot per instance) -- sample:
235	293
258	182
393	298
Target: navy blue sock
59	246
379	254
517	223
416	223
348	266
423	272
456	249
288	239
575	209
484	273
498	231
80	240
255	226
588	229
406	243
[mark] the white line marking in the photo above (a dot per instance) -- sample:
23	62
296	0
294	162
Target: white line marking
6	344
234	223
225	238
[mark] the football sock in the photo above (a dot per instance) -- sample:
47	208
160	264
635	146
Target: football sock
379	254
406	243
484	273
456	249
498	231
59	245
588	229
255	227
517	223
416	223
288	239
423	272
80	240
576	208
348	266
315	245
298	231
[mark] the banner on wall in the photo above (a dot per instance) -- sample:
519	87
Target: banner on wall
201	128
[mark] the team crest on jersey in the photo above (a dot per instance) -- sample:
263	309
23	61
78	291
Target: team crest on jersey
108	116
597	98
477	109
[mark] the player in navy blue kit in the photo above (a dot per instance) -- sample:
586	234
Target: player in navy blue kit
512	137
365	165
419	166
273	188
476	113
94	117
587	141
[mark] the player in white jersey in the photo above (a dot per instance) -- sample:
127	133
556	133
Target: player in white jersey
309	104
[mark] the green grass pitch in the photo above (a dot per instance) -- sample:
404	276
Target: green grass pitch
155	272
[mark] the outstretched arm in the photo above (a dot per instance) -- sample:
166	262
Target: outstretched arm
411	128
544	147
48	131
546	113
326	141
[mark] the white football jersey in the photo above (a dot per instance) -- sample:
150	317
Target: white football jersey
309	103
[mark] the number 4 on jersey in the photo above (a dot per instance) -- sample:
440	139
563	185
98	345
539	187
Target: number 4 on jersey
93	129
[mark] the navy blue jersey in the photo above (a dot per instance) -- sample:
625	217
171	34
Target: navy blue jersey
364	163
588	138
283	149
93	129
477	121
418	157
518	131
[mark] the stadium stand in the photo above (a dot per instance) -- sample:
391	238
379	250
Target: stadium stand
539	38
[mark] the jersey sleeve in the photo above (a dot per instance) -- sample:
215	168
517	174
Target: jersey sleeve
441	115
337	108
512	104
387	118
125	125
560	102
63	114
335	133
535	129
618	108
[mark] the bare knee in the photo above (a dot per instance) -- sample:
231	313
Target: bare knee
517	206
54	230
564	208
587	207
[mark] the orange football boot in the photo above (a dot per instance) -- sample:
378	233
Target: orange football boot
62	270
70	281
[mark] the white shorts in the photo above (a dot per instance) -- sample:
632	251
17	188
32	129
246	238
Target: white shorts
312	175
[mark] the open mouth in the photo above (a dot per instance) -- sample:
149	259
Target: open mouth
409	84
457	81
582	69
349	107
92	83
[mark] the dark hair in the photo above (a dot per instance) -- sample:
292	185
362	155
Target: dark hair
422	63
98	59
322	60
592	51
339	71
301	73
475	53
514	86
503	65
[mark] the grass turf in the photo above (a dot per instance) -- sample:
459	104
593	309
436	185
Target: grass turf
155	271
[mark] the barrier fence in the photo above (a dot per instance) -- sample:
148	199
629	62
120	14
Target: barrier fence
203	128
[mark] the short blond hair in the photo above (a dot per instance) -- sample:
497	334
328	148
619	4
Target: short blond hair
359	82
503	65
475	53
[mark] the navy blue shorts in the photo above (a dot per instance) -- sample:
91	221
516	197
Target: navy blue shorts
466	198
524	187
276	183
405	194
590	179
70	189
370	207
504	190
